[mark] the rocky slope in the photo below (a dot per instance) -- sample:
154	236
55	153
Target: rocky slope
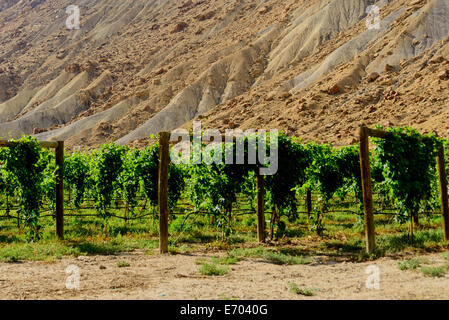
314	68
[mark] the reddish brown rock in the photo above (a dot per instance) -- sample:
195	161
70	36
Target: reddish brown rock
444	75
160	71
206	16
73	68
437	60
179	27
388	68
335	89
373	77
285	95
263	10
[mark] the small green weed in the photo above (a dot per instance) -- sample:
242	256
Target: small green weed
211	269
411	264
123	264
445	255
301	291
280	258
438	271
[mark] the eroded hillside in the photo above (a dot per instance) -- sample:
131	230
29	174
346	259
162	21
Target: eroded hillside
313	68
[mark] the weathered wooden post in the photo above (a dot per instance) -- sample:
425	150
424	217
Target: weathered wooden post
163	191
366	188
260	207
443	192
308	202
60	190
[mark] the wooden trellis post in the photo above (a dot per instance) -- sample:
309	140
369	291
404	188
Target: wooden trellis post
308	202
164	161
443	192
367	191
59	159
60	190
260	207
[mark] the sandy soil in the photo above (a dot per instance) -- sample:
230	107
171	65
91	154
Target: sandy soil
177	277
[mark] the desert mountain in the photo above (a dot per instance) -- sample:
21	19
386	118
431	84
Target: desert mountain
317	69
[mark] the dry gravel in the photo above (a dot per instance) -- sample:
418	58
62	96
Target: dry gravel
177	277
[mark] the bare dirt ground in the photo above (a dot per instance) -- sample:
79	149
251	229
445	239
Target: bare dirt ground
177	277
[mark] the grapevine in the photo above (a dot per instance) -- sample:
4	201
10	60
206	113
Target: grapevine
408	168
23	160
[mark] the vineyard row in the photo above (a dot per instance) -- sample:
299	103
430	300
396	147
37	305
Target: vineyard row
406	168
